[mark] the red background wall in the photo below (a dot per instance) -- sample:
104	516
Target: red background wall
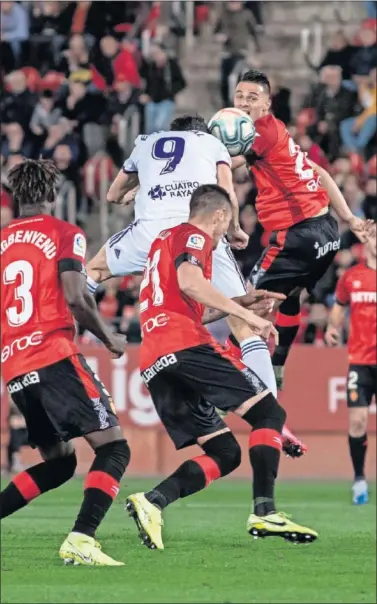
314	398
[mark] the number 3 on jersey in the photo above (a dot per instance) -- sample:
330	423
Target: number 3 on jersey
171	149
22	293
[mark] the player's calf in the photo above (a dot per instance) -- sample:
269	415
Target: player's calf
222	455
102	485
35	481
267	418
358	443
287	323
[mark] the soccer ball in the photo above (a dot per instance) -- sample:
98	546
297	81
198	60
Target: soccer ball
234	128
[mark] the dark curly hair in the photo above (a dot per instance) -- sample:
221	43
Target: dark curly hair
33	182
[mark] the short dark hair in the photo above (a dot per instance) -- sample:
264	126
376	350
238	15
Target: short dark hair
208	198
33	181
254	75
190	122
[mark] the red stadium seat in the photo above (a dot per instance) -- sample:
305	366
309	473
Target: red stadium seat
52	81
33	78
98	169
370	24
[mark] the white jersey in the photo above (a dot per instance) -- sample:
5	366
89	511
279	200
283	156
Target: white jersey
170	166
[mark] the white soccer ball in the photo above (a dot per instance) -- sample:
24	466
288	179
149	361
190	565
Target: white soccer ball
234	128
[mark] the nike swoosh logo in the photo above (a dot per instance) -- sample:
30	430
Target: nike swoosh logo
276	523
87	559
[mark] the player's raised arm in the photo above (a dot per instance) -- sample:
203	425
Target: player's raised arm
358	226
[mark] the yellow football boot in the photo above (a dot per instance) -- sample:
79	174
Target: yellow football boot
148	519
279	524
81	549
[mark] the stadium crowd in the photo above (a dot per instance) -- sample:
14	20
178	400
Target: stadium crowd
72	70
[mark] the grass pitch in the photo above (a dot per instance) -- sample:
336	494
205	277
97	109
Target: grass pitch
209	557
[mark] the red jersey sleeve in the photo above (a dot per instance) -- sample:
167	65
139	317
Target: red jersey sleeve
72	249
193	247
266	135
342	295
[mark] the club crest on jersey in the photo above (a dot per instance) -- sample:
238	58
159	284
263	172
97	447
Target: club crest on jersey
79	245
196	242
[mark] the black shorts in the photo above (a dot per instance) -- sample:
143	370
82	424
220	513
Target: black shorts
298	256
361	385
62	401
187	387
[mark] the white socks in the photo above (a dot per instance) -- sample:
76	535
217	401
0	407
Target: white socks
256	356
91	284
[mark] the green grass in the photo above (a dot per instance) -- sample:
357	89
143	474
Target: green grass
208	557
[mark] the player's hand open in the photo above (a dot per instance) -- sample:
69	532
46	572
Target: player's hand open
361	228
117	345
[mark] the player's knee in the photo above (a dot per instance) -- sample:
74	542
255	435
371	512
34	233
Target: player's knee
225	451
266	413
62	469
113	458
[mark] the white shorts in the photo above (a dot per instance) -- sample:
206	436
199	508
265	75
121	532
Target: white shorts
127	253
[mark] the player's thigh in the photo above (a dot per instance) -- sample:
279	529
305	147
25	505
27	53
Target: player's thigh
127	251
27	395
361	385
218	377
185	415
75	400
226	274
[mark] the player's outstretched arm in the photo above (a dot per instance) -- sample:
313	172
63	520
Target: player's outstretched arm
358	226
193	284
84	309
123	184
336	322
259	301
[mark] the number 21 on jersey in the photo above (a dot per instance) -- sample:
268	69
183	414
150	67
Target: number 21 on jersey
23	271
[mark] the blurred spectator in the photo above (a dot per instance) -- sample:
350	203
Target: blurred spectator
353	193
111	61
14	142
6	208
371	6
370	200
163	81
14	28
80	106
339	53
280	96
60	135
236	25
333	103
18	102
121	98
90	18
356	132
364	58
75	59
44	114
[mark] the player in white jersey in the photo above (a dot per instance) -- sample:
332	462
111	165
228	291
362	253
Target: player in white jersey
168	167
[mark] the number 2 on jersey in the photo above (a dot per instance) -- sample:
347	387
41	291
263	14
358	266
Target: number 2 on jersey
151	272
171	149
23	269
